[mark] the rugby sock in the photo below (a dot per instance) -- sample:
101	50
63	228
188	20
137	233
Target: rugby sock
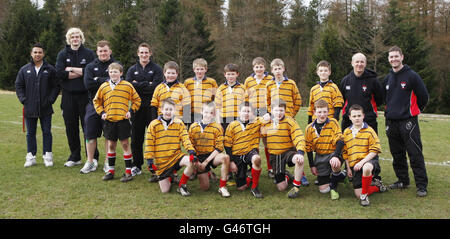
366	180
223	183
296	183
111	161
183	180
373	189
255	177
128	162
266	151
249	181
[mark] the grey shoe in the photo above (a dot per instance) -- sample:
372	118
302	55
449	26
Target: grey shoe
135	171
72	163
108	176
88	167
421	192
183	190
364	200
256	193
126	177
398	185
379	184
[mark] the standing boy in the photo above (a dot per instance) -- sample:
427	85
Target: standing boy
163	150
406	97
324	136
257	95
111	102
207	138
173	89
201	88
95	74
145	76
229	96
70	65
326	90
37	89
286	145
361	150
242	145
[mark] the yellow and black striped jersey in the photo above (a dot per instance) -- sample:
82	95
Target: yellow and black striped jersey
242	139
284	135
330	93
115	102
325	142
177	92
229	98
201	91
206	140
358	146
257	91
162	143
286	90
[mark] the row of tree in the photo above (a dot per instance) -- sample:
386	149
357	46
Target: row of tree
300	34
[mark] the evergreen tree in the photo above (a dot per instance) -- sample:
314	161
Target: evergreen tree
19	32
52	35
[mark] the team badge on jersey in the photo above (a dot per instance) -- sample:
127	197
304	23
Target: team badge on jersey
403	84
364	88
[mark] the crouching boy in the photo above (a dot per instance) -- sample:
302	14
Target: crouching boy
163	150
111	103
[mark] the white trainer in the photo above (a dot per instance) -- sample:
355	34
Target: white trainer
72	163
224	192
88	167
48	159
30	160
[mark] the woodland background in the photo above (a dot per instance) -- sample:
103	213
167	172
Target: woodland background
300	32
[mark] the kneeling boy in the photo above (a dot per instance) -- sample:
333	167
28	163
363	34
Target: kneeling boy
111	102
361	150
207	138
163	150
286	145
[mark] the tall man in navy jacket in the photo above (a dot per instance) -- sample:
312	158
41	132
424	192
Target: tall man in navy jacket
145	75
406	97
70	64
37	89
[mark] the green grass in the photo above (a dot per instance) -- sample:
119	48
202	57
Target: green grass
59	192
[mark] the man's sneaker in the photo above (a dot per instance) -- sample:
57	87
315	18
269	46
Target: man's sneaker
48	159
88	167
224	192
293	193
364	200
108	176
270	173
153	178
135	171
398	185
334	194
421	192
30	160
379	184
183	190
304	181
72	163
256	193
126	177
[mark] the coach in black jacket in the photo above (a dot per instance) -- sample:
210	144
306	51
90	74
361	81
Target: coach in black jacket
361	87
37	89
406	97
145	75
70	64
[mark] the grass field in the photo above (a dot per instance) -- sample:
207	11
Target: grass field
59	192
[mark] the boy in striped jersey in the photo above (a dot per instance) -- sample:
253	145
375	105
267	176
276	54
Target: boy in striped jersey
163	150
257	95
326	90
207	138
229	96
173	89
361	150
242	145
111	102
324	136
201	88
286	145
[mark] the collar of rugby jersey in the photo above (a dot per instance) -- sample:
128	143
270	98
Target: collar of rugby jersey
235	84
112	84
323	124
165	122
322	84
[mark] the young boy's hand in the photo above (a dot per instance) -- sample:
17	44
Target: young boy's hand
104	116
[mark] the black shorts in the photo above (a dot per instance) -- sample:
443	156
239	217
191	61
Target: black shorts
169	172
278	163
117	130
242	161
201	158
357	176
93	123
